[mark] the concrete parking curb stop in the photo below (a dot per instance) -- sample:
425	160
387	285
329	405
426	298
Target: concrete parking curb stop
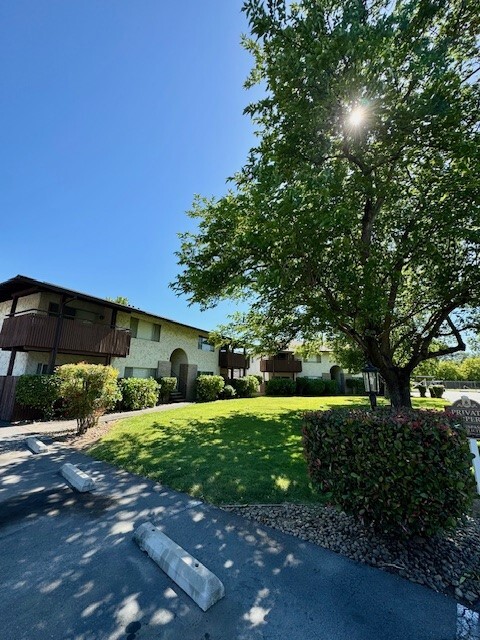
194	578
35	445
77	478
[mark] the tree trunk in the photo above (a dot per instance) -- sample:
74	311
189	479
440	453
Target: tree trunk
86	422
398	384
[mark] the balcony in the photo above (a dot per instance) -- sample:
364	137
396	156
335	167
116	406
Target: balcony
281	365
36	332
229	360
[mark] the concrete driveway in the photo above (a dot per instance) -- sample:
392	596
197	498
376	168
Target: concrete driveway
456	394
69	569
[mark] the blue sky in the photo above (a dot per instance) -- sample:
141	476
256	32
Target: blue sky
114	114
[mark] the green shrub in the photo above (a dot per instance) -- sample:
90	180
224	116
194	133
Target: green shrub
449	370
331	387
227	392
259	378
280	387
166	386
470	369
406	472
88	390
356	385
301	386
38	392
310	386
246	386
138	393
209	387
436	390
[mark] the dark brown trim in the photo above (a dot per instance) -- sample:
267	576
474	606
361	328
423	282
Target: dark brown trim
10	288
25	292
113	322
13	307
58	333
11	363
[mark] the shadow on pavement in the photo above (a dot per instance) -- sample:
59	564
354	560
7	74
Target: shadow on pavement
71	571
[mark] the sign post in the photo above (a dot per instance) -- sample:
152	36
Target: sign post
469	411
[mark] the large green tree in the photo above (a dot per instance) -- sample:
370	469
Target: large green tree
358	210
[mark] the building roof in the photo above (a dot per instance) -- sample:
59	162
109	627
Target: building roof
295	344
25	286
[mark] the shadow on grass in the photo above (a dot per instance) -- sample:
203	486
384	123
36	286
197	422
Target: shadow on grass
231	459
224	453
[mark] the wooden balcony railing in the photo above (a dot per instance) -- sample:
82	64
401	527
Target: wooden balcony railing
32	331
279	365
228	360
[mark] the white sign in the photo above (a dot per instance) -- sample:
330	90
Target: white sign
469	411
476	460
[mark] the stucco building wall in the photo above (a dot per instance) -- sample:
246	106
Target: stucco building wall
146	353
313	367
85	311
34	358
28	302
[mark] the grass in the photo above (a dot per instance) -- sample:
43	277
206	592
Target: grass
238	451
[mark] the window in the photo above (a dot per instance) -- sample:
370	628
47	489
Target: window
54	310
156	332
134	327
204	345
140	372
42	369
317	358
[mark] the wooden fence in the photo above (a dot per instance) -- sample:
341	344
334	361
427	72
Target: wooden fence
8	385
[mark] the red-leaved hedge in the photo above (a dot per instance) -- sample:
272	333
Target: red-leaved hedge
406	472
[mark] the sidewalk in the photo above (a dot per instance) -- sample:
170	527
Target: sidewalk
70	569
61	426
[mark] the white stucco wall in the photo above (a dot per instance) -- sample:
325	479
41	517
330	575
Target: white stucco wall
20	365
146	353
312	369
86	311
34	358
28	302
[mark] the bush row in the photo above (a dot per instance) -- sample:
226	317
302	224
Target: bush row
301	387
406	472
436	390
209	388
47	393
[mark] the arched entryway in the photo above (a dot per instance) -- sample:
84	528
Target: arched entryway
179	362
336	373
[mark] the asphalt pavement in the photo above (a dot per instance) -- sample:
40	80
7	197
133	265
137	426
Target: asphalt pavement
70	570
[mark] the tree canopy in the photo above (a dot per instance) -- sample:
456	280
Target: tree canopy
119	300
358	210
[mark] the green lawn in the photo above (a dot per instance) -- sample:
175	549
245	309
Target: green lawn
236	451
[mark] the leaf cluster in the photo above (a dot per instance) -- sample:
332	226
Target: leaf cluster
369	230
406	473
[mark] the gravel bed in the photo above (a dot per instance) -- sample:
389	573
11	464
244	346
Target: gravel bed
448	563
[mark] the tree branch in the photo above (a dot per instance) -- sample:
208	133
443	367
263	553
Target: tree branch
424	354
